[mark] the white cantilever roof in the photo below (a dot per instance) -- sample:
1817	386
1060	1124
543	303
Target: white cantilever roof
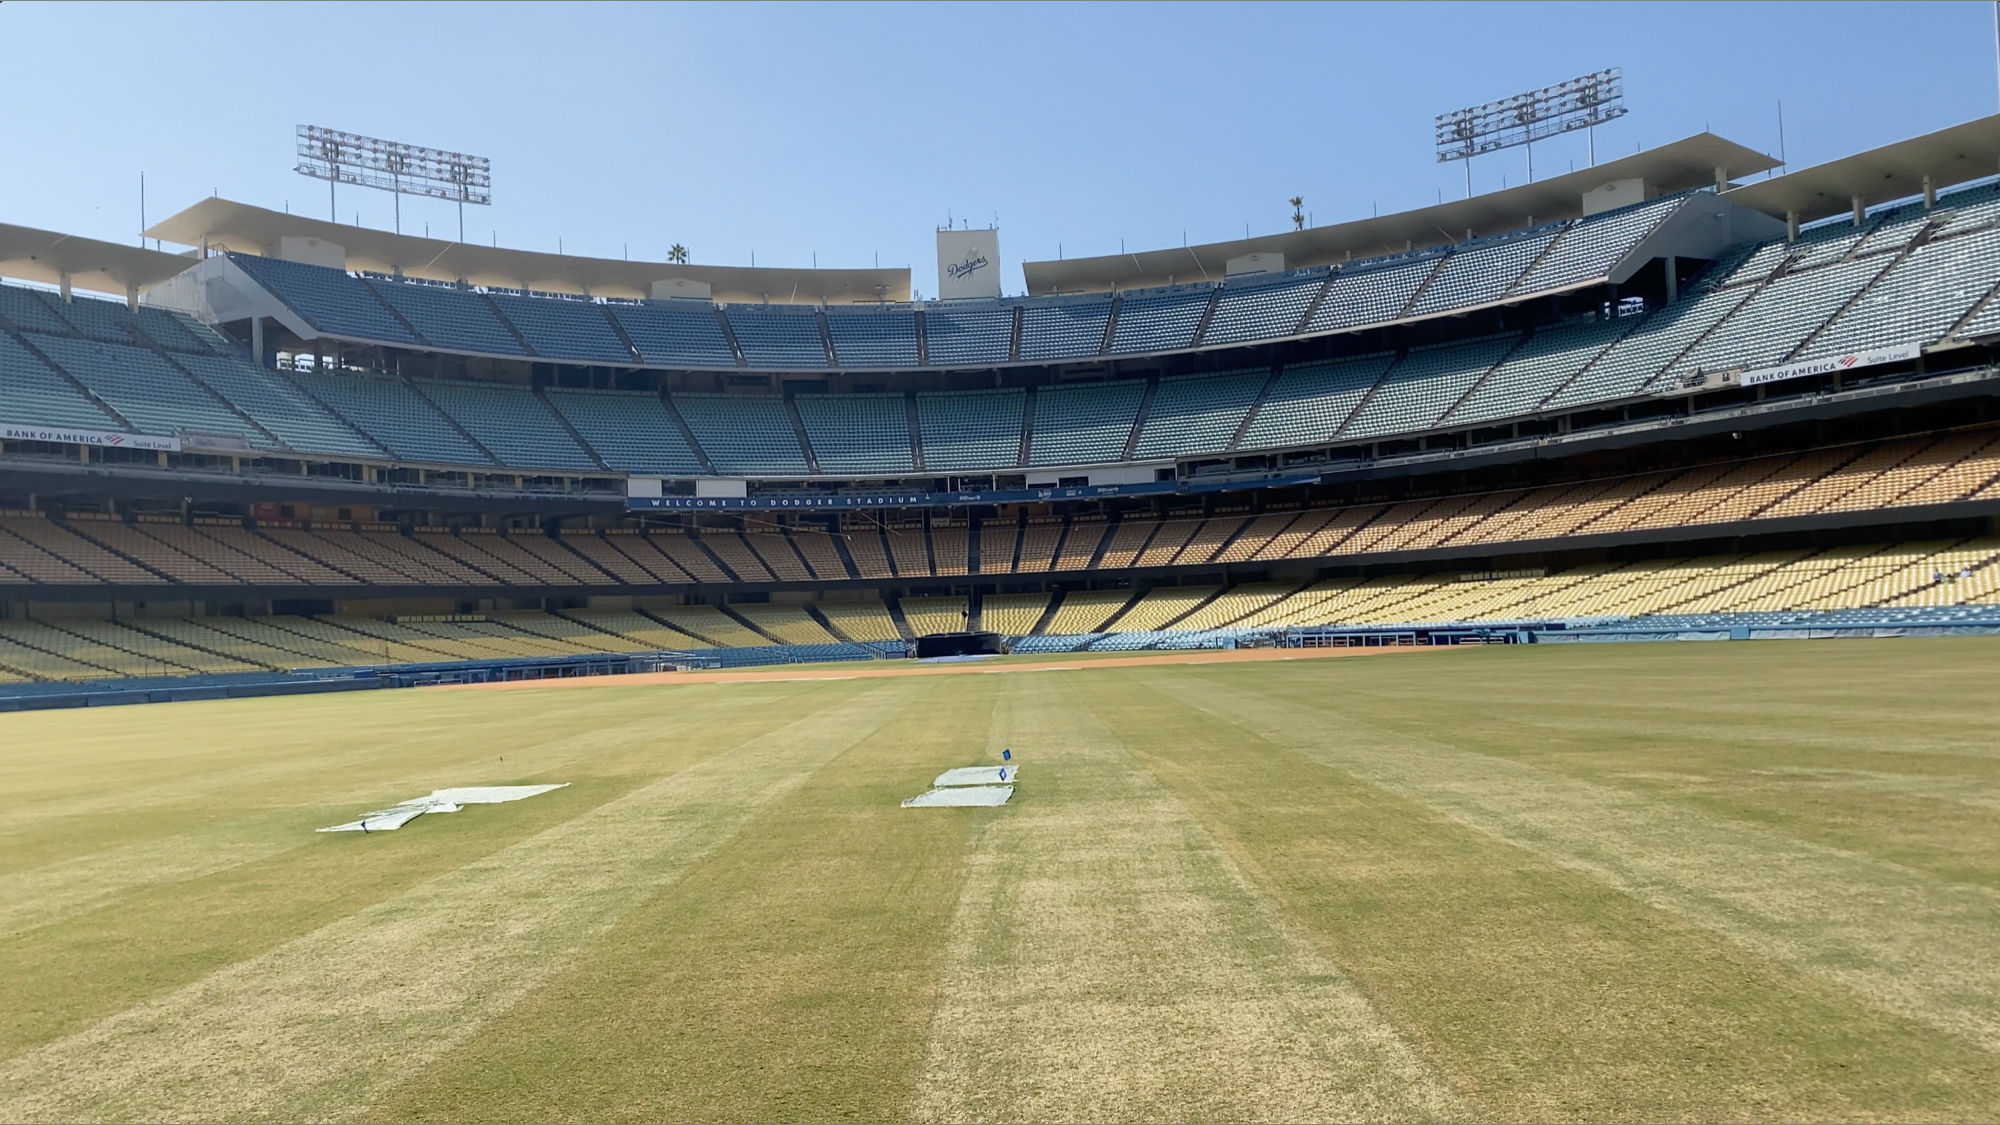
46	256
223	224
1694	162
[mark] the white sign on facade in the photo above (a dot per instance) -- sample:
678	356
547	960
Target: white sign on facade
968	263
1825	366
105	439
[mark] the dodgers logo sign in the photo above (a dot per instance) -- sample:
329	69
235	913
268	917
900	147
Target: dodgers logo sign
973	263
968	264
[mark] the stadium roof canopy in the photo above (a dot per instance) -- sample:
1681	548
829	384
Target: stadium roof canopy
1703	160
45	256
1893	171
221	224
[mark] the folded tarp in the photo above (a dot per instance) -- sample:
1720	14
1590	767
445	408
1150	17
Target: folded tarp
440	801
978	775
962	796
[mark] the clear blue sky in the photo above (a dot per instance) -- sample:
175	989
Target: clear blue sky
851	132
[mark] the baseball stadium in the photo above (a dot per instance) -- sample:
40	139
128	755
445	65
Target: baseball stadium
1529	656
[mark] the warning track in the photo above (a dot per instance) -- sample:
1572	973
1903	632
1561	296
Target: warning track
846	671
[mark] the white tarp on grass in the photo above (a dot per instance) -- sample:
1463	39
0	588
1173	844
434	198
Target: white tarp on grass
440	801
962	796
977	775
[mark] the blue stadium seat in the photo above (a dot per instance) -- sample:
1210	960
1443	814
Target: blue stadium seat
1481	274
778	336
1592	246
1088	422
858	433
393	416
971	430
1263	308
449	317
1642	353
1370	293
105	321
676	333
510	421
178	332
1776	319
1423	385
1195	414
206	336
864	336
1064	328
1537	368
744	435
33	394
1920	298
968	333
150	392
279	406
572	331
1309	402
26	310
330	300
633	433
1160	320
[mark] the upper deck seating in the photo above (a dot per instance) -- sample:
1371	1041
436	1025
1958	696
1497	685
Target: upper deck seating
330	300
783	336
864	336
449	317
579	331
968	333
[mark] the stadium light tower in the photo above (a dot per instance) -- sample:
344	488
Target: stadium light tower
1580	103
394	167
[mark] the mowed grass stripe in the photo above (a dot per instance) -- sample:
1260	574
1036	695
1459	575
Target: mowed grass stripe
1108	962
320	1026
206	758
245	822
1901	939
1836	696
1883	747
143	936
1541	993
792	975
197	753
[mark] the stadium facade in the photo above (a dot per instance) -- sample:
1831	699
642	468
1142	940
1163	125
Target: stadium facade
1665	396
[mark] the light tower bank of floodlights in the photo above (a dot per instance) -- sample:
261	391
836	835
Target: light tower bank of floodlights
348	158
1580	103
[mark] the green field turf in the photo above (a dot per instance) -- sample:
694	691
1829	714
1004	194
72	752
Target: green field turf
1718	881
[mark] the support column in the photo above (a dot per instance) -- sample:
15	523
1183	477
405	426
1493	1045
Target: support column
1673	279
257	341
1930	192
131	297
1721	178
1859	209
62	283
1791	226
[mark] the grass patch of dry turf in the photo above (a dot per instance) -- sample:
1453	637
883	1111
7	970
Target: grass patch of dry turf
1737	881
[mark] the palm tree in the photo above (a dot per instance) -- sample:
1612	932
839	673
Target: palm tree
1298	203
677	254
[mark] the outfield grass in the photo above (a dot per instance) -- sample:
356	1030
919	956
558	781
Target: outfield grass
1754	880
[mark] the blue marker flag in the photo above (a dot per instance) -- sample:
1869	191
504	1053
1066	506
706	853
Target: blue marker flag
1006	755
1003	773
